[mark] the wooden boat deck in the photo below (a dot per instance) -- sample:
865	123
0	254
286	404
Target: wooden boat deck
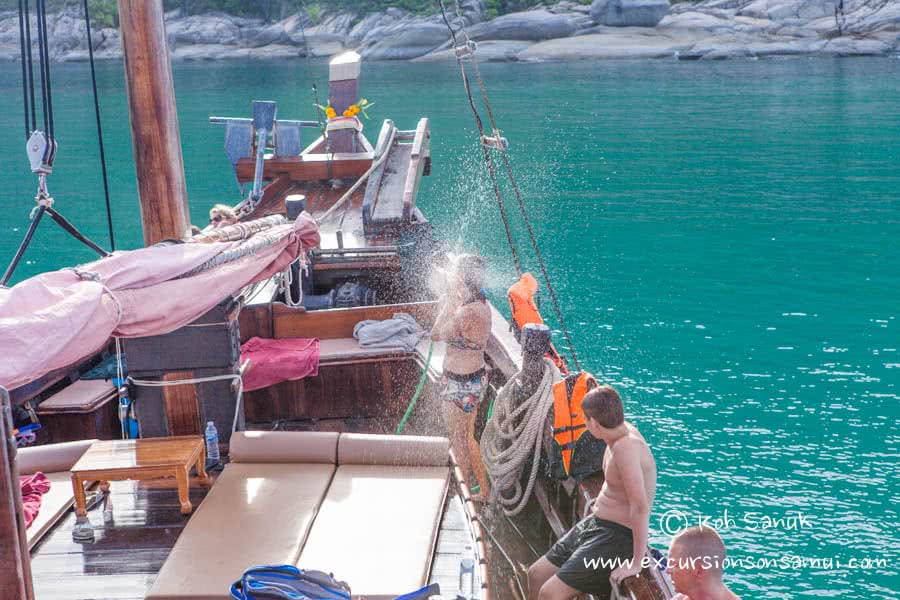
123	561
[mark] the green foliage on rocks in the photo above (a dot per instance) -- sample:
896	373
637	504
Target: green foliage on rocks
104	12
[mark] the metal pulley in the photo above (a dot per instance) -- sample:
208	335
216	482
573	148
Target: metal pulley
41	153
496	141
466	51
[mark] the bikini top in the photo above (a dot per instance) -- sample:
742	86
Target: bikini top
462	343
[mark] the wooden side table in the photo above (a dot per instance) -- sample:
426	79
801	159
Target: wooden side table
153	458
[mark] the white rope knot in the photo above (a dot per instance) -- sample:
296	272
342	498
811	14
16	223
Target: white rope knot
96	278
42	200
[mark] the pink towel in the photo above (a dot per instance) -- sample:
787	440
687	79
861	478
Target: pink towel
33	488
273	361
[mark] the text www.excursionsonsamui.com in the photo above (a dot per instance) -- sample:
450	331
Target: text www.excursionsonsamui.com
786	562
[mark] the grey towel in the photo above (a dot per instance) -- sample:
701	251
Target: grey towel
401	331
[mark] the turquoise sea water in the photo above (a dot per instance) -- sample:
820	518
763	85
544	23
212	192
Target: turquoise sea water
724	239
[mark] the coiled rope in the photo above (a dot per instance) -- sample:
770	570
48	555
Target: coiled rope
513	436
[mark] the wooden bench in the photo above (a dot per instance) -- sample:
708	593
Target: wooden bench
86	408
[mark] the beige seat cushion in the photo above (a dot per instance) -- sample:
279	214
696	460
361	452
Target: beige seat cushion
58	499
377	528
82	396
54	461
340	349
255	514
397	450
50	458
283	447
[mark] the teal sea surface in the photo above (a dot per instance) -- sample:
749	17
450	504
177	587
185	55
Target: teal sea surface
724	238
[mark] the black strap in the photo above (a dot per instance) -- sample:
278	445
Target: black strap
21	250
65	224
567	429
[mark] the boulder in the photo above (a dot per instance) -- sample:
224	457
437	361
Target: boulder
266	36
67	32
629	13
758	9
532	25
619	43
699	21
204	30
805	10
845	46
886	18
411	42
727	52
9	31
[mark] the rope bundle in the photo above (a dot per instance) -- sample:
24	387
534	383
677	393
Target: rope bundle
513	436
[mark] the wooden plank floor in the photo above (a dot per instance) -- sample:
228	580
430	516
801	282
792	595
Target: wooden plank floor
125	556
454	543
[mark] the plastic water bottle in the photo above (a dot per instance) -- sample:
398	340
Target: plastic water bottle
212	443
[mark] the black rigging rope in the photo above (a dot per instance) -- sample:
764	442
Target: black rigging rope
87	22
509	174
44	50
43	198
24	69
531	235
27	83
485	152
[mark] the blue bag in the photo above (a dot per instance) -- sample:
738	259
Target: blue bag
287	582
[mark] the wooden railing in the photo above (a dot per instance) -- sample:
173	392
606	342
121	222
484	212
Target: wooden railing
421	150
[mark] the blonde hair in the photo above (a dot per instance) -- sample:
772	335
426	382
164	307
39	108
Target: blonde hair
226	212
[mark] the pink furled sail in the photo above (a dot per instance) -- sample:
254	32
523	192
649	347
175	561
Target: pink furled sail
58	318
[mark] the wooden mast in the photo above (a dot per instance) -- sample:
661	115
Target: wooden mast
154	121
15	562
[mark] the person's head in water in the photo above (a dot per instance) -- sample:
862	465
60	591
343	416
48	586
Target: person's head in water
221	215
470	275
696	561
603	411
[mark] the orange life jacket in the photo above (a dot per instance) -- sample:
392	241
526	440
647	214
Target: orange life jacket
525	311
521	301
575	452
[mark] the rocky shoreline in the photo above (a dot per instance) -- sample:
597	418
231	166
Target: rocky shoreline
606	29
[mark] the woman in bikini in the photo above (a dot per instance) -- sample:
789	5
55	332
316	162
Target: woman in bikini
465	324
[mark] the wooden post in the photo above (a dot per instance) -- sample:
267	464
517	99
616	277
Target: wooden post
535	344
15	561
154	121
343	90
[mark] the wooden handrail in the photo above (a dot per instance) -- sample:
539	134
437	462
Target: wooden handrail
421	149
339	322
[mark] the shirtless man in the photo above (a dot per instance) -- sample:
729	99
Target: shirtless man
465	324
695	563
616	529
